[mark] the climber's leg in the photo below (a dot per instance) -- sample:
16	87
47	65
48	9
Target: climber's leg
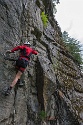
17	77
21	64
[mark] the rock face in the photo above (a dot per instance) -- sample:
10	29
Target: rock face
53	84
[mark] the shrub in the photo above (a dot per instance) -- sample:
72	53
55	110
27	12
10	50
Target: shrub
44	19
42	115
74	47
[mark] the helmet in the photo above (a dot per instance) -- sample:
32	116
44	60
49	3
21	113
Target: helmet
27	43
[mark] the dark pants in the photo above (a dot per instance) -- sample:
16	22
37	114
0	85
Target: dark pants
21	64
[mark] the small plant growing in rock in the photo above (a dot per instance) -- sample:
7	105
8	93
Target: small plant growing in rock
42	115
44	18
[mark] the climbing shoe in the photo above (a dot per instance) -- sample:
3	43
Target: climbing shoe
20	83
8	91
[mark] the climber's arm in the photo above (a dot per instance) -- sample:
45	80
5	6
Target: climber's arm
14	49
34	52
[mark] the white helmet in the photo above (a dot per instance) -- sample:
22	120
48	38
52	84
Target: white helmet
27	43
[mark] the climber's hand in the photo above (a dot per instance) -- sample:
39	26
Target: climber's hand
37	54
8	51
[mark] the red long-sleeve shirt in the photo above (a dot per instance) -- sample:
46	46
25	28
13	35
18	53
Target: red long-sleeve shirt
27	49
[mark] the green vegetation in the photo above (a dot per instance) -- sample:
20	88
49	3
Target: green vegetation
73	47
56	1
42	115
44	19
54	8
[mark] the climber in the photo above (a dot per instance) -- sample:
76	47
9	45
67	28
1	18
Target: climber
25	52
